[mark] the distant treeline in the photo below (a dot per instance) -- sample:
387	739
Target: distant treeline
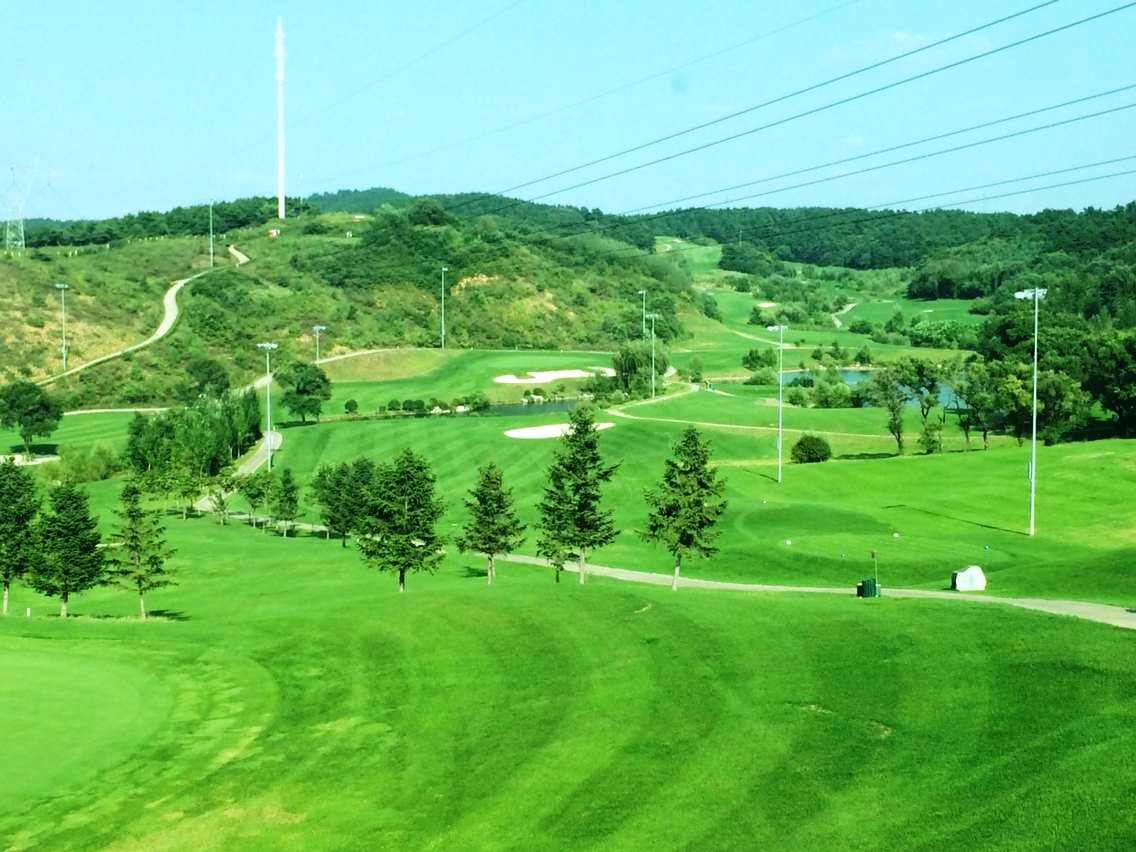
181	221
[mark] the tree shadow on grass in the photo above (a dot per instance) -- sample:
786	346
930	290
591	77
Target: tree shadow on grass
480	573
168	614
37	449
864	456
955	518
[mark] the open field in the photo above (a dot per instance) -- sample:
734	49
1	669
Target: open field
291	699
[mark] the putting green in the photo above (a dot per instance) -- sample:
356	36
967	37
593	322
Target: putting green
70	710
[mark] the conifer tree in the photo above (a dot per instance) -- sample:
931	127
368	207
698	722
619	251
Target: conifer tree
686	504
139	562
493	526
571	517
398	523
67	544
19	503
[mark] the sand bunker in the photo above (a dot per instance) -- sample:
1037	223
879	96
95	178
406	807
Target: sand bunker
554	430
767	304
534	377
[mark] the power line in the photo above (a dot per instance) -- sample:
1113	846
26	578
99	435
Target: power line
862	70
833	104
879	151
953	149
1024	132
623	87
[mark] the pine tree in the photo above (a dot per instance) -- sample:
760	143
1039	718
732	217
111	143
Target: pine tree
493	527
397	525
67	541
139	562
685	506
571	516
19	503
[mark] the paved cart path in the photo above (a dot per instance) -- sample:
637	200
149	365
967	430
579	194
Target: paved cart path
1117	616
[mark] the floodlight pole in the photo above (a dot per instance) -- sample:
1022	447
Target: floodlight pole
643	293
210	234
1037	294
268	348
445	269
317	329
780	329
652	317
62	288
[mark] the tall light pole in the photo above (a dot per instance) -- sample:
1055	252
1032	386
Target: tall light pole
317	329
780	329
1037	294
62	288
652	317
210	233
445	269
643	293
268	348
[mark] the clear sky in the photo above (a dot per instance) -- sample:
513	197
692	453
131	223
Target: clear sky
128	105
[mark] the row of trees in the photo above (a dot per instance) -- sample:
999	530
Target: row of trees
57	548
392	508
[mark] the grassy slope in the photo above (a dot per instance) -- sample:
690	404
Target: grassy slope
299	701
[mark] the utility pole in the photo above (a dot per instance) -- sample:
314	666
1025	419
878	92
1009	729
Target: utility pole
210	233
62	288
268	349
780	392
317	329
652	317
445	269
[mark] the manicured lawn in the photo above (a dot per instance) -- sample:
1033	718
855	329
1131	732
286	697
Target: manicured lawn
296	700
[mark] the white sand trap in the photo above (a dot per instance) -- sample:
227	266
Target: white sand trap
534	377
767	304
554	430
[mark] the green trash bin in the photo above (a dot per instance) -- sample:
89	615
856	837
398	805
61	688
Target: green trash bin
871	590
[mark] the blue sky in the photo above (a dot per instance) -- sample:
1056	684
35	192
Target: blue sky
129	106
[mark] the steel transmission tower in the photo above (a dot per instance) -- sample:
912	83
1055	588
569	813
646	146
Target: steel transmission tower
14	216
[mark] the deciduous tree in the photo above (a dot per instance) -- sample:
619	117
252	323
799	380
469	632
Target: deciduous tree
687	503
286	499
306	389
27	408
493	526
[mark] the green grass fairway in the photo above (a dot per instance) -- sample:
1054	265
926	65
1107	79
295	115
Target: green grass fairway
294	700
374	380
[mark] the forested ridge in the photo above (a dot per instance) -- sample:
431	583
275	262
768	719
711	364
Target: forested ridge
520	274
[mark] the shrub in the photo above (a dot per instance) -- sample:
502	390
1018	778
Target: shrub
810	449
351	406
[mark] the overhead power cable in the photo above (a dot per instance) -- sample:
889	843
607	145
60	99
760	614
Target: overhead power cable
930	154
625	86
615	226
846	76
833	104
825	219
672	202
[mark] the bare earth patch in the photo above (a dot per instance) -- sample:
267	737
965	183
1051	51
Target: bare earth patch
553	430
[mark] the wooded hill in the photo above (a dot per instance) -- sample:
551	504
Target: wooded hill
368	264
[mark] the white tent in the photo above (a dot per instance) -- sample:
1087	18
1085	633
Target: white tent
970	579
